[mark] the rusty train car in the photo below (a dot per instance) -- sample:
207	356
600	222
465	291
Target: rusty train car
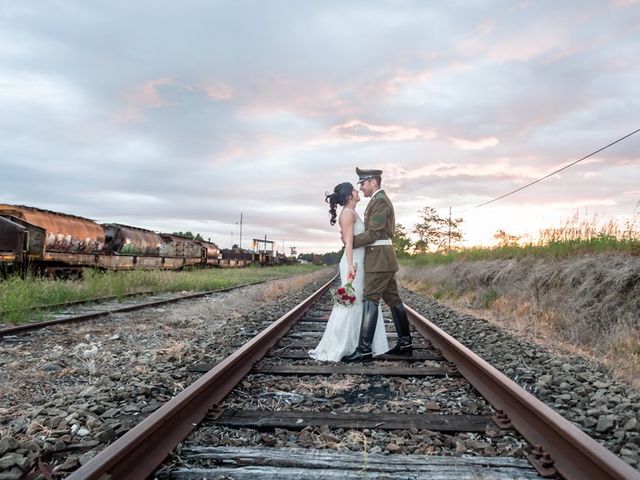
55	243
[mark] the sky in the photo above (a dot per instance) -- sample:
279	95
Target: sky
178	116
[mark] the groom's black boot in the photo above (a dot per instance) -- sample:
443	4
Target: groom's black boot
367	329
404	345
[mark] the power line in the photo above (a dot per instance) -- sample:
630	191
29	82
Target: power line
552	173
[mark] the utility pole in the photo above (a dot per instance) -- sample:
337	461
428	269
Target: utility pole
449	247
240	231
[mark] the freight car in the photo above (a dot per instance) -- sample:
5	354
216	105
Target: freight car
210	254
56	243
12	241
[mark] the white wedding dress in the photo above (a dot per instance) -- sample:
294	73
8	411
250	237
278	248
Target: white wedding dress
342	333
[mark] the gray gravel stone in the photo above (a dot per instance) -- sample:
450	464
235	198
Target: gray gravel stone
7	444
12	459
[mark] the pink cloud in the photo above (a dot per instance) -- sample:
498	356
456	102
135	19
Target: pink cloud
479	144
359	131
149	95
389	83
143	97
218	91
496	168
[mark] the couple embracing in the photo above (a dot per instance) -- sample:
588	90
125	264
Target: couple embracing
357	333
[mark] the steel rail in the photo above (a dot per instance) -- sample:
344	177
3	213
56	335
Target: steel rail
573	453
141	450
129	308
73	303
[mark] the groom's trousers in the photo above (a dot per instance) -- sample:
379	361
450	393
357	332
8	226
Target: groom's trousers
381	285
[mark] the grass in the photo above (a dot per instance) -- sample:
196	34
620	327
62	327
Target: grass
577	288
575	236
555	249
19	294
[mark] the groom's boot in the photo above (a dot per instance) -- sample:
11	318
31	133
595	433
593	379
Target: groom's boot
404	345
367	329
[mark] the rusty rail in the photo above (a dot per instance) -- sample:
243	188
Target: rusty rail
72	303
561	446
139	452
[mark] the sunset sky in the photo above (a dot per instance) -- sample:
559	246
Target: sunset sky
180	115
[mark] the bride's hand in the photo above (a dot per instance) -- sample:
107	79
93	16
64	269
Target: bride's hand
351	275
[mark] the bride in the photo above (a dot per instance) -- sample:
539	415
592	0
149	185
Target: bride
341	334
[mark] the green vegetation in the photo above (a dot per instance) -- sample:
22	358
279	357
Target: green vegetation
575	236
189	234
557	249
18	294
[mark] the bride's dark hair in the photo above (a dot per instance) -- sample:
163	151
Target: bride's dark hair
340	196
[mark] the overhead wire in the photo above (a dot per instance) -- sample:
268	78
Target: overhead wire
552	173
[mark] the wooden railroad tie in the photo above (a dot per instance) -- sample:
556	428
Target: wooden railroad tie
354	369
248	463
265	419
340	368
321	326
303	355
311	343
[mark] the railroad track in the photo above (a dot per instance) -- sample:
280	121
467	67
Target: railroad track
229	395
63	305
78	311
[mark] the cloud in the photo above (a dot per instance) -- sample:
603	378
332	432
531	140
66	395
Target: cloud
218	91
479	144
359	131
189	114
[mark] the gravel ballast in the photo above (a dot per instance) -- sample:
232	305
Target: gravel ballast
581	391
68	391
73	390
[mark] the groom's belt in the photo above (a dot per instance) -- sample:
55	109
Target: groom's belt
384	241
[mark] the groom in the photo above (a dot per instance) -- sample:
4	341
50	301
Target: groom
380	267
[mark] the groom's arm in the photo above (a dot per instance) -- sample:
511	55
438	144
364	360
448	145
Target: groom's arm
378	213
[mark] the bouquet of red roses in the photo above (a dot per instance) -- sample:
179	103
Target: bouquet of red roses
345	295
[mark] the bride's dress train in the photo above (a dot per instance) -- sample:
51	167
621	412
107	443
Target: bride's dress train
342	333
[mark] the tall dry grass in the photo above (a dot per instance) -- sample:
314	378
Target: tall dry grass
579	289
589	302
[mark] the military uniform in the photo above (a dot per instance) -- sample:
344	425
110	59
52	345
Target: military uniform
380	267
380	263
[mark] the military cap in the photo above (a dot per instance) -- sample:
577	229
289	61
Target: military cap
367	174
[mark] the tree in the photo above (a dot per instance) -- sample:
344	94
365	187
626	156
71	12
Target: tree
453	233
429	229
307	257
331	258
505	239
401	243
436	231
190	235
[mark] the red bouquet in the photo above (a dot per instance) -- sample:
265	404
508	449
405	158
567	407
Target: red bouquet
344	295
